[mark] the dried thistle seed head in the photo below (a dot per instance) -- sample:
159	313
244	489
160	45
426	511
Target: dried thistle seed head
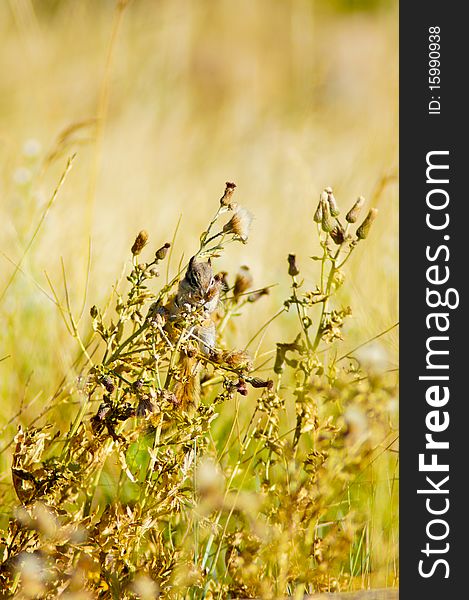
338	234
153	272
243	282
364	229
225	200
326	223
160	254
140	242
334	209
239	224
293	270
354	212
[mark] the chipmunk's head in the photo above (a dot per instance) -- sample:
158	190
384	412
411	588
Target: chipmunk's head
199	276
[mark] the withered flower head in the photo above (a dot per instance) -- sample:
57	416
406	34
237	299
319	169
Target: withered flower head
225	200
354	212
239	224
243	282
293	270
338	234
160	254
140	242
364	229
334	209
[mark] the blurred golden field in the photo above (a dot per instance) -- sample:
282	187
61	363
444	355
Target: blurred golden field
161	102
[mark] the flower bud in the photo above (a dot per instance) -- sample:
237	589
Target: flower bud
225	200
334	209
293	270
161	253
327	224
364	229
140	242
354	212
317	217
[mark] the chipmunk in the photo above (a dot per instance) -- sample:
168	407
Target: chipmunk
199	289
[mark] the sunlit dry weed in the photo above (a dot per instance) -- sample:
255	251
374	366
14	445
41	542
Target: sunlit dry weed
142	497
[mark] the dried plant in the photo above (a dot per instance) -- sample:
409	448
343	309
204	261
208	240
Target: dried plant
140	498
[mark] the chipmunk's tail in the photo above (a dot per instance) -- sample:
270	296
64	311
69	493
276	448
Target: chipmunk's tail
187	388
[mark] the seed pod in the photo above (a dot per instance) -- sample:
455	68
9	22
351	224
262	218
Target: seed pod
161	253
94	311
140	242
293	270
354	212
364	229
334	209
327	224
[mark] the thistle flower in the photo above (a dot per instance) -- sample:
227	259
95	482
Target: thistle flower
239	224
354	212
334	209
364	229
225	200
243	282
140	242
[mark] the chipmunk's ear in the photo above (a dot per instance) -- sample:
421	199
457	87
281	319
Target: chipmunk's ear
192	262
